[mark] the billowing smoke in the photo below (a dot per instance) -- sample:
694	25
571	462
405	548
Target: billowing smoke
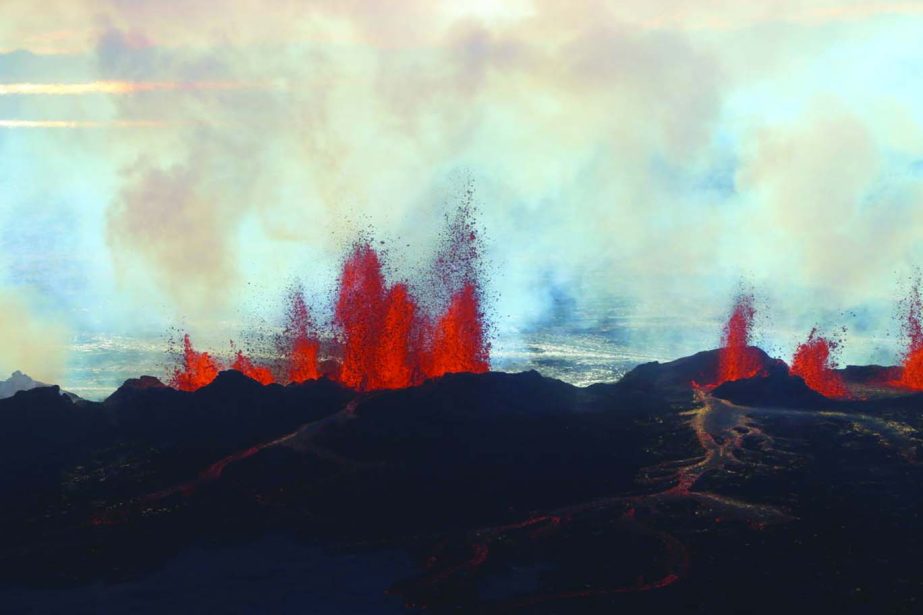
645	156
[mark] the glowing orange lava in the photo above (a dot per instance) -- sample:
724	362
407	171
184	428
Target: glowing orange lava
912	328
198	369
360	315
389	340
382	337
737	359
300	346
814	364
459	344
398	354
245	366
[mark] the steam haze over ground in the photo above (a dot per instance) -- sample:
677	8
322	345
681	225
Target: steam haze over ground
166	164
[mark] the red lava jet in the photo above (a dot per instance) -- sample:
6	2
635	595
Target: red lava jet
198	369
388	338
361	315
912	328
299	346
244	365
458	344
400	347
737	359
814	363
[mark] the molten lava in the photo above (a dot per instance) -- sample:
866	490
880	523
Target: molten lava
459	341
814	363
736	358
300	345
387	338
359	313
389	341
398	351
198	369
245	366
912	328
459	344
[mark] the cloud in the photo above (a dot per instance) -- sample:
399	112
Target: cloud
816	186
561	121
653	151
166	226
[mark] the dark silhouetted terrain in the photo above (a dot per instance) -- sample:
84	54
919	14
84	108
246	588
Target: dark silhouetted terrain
474	493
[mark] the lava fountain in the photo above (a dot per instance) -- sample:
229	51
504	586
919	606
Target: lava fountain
458	344
375	323
399	351
248	368
736	358
385	337
459	339
912	328
198	368
814	363
299	346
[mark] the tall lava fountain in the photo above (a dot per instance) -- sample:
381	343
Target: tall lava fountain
385	336
736	358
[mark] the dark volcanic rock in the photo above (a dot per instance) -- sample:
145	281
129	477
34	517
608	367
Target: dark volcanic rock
143	383
455	449
491	394
503	493
40	432
675	379
778	389
167	434
870	374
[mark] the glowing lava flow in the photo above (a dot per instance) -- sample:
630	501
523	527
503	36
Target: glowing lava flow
736	359
814	364
912	327
198	369
726	436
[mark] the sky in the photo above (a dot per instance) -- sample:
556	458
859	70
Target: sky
170	165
